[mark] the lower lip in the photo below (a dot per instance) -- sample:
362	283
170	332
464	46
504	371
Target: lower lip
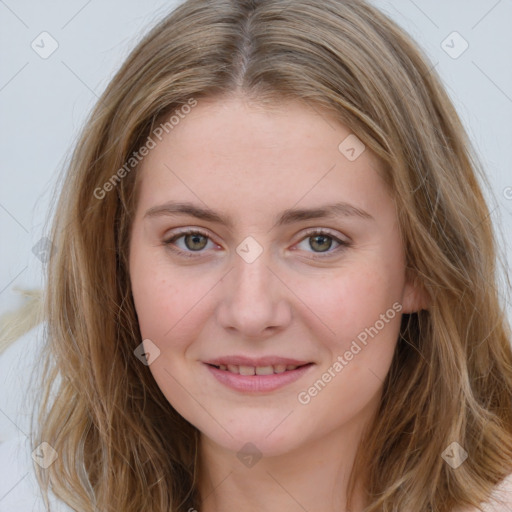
258	383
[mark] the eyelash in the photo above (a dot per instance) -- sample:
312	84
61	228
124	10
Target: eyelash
190	254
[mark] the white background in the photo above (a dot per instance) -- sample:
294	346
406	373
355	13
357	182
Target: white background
43	102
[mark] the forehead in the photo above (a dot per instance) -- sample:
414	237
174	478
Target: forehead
234	125
232	151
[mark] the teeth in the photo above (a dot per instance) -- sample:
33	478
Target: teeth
246	370
258	370
264	370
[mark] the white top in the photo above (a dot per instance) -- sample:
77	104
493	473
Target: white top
19	490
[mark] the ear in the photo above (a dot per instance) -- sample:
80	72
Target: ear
415	297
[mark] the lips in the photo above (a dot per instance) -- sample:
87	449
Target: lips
259	375
256	366
257	370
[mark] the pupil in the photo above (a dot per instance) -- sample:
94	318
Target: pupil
194	237
323	246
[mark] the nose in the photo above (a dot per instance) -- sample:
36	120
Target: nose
255	302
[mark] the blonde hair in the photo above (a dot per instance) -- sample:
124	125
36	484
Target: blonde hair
121	445
14	324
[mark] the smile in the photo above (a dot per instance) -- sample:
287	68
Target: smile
257	370
257	379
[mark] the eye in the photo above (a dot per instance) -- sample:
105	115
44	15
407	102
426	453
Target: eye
193	240
321	241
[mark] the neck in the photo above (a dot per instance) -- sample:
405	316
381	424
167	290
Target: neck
317	472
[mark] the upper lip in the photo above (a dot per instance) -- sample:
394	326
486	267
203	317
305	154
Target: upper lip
255	361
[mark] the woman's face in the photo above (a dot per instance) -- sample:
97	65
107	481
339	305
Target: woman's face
272	277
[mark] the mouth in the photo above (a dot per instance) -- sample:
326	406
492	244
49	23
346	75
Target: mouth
257	379
258	370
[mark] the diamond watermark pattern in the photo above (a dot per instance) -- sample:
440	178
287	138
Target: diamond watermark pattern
249	249
147	352
351	147
249	455
44	45
455	45
43	249
455	455
44	455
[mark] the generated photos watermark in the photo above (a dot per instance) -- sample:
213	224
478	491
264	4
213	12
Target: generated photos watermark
305	397
137	156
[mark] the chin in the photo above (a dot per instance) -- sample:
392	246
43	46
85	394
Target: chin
254	438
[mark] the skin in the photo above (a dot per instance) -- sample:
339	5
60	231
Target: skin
251	163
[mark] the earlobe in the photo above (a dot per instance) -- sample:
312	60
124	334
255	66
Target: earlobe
415	296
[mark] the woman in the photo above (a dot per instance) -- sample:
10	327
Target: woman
274	278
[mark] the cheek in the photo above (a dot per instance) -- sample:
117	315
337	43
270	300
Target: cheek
157	296
362	307
163	306
355	298
171	304
364	312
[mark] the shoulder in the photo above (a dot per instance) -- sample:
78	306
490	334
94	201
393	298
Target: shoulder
19	489
501	499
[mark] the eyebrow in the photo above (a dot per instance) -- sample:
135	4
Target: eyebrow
342	209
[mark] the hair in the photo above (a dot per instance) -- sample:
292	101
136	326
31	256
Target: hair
121	445
15	324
